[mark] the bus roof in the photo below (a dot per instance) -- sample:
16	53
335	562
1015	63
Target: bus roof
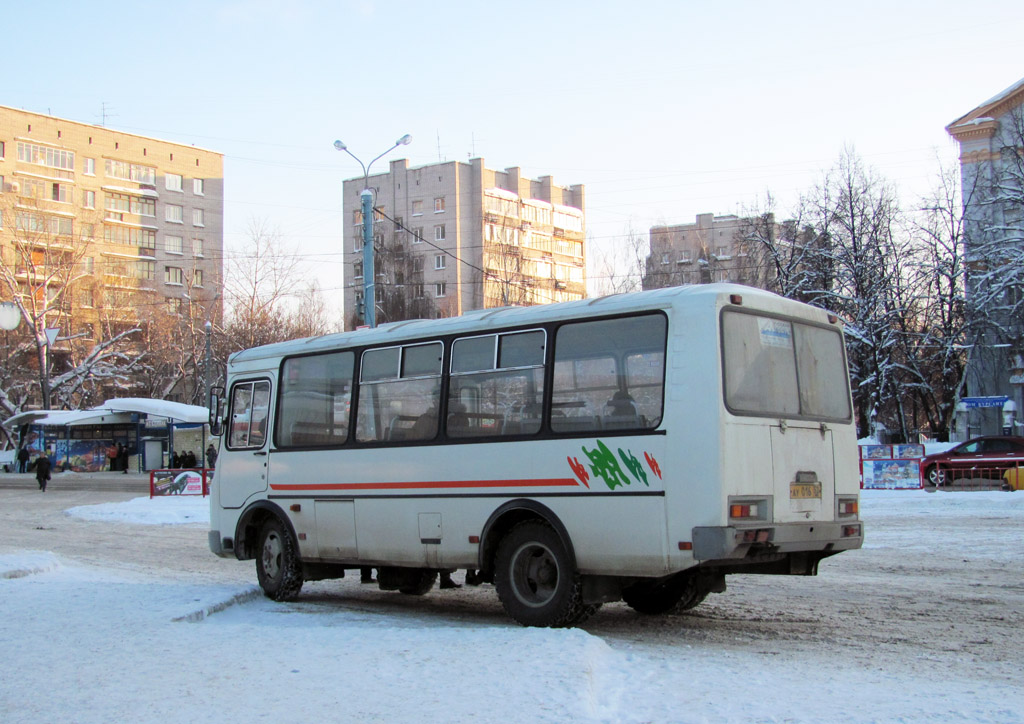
500	317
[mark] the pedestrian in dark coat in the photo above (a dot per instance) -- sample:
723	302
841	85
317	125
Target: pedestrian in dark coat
122	458
23	456
42	470
211	456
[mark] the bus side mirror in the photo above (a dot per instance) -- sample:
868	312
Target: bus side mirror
216	397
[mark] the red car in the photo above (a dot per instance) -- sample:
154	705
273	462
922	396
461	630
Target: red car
972	458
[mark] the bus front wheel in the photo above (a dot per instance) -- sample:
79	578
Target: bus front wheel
278	568
536	582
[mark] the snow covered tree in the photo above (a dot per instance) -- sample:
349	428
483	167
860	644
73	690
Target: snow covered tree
48	270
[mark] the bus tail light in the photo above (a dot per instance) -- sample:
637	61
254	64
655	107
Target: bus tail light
743	510
851	531
746	508
847	507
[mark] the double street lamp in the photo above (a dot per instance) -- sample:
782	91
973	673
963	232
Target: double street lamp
366	199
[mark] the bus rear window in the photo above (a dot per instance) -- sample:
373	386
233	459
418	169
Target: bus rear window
784	368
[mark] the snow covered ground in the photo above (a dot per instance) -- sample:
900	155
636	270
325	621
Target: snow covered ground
113	610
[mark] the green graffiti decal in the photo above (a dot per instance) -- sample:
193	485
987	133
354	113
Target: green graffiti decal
634	466
604	465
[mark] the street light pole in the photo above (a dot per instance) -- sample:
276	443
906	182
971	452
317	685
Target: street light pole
366	199
206	364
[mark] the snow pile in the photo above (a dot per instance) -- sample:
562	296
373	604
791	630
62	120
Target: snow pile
161	510
18	565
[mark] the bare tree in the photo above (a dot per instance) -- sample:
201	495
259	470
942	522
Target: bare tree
257	283
47	269
620	267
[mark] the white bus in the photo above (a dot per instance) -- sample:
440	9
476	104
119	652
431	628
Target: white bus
637	447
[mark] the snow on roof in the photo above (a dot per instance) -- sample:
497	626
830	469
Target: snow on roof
502	193
1006	93
160	408
177	411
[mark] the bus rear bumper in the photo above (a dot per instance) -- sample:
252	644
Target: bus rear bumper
729	542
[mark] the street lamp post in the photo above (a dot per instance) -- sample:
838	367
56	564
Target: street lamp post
366	199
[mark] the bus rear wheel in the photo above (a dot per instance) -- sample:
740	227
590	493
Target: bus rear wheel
536	582
677	594
278	567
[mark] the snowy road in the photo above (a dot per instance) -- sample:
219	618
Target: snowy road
108	619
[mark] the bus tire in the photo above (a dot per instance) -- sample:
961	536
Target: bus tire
278	567
677	594
420	584
536	582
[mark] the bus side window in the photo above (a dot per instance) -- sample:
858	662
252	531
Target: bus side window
609	374
399	393
495	377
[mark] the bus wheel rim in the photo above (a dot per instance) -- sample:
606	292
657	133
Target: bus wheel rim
535	574
272	555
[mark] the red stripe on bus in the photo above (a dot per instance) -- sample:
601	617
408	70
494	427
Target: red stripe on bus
534	483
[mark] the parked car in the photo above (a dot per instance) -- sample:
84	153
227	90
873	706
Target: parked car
972	458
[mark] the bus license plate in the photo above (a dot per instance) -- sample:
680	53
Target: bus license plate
805	490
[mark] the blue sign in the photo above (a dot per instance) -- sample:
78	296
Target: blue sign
976	402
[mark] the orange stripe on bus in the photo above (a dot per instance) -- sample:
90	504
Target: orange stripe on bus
534	483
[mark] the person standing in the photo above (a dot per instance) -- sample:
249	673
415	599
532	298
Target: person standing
122	458
211	456
23	456
42	470
112	456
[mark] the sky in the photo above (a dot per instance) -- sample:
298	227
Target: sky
663	110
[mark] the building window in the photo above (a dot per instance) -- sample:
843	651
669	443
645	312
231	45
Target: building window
172	213
417	264
130	171
174	306
439	233
145	269
197	248
89	166
89	199
439	204
2	150
357	242
722	252
172	244
686	256
357	270
62	193
665	258
55	158
439	261
173	275
440	289
199	186
197	277
88	231
197	217
417	208
417	235
173	182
